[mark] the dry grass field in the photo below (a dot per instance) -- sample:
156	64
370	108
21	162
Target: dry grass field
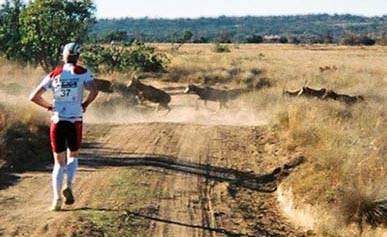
345	146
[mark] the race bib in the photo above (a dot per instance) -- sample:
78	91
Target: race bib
67	91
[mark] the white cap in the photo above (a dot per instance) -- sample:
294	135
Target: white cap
72	49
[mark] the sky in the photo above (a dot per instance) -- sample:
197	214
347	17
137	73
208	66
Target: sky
198	8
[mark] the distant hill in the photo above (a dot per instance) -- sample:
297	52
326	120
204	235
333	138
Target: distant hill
239	29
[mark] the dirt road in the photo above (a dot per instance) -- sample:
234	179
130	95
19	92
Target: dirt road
201	181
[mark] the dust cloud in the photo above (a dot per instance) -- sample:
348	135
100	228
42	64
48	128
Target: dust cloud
237	114
184	109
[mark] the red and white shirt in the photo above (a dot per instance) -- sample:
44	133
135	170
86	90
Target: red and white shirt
67	83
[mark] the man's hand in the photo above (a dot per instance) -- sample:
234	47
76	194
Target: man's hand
91	96
37	98
84	106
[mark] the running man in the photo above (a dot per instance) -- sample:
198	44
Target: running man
67	84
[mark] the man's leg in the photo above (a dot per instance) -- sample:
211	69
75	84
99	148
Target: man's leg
71	169
74	142
58	174
58	146
72	166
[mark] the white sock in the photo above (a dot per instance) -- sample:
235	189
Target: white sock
71	169
57	180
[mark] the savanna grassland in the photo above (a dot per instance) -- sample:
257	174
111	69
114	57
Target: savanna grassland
344	146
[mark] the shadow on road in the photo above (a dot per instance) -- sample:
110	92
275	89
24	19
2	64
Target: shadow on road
95	156
7	179
258	182
158	219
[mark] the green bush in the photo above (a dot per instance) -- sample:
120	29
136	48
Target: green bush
121	58
221	48
283	40
352	39
254	39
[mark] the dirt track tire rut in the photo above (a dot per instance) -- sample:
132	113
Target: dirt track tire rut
206	180
198	158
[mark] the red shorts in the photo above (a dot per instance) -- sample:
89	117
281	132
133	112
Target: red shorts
65	134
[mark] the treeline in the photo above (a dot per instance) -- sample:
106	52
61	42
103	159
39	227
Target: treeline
319	28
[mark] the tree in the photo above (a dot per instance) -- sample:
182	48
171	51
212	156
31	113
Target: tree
135	56
225	37
294	40
46	25
351	39
187	36
365	40
383	39
180	40
117	35
283	40
328	38
10	35
200	40
254	39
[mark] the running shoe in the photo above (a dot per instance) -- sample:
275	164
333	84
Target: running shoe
56	205
68	195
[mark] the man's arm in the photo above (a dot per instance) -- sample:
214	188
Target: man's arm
91	96
36	97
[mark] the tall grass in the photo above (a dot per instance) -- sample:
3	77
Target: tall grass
24	142
24	139
345	145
